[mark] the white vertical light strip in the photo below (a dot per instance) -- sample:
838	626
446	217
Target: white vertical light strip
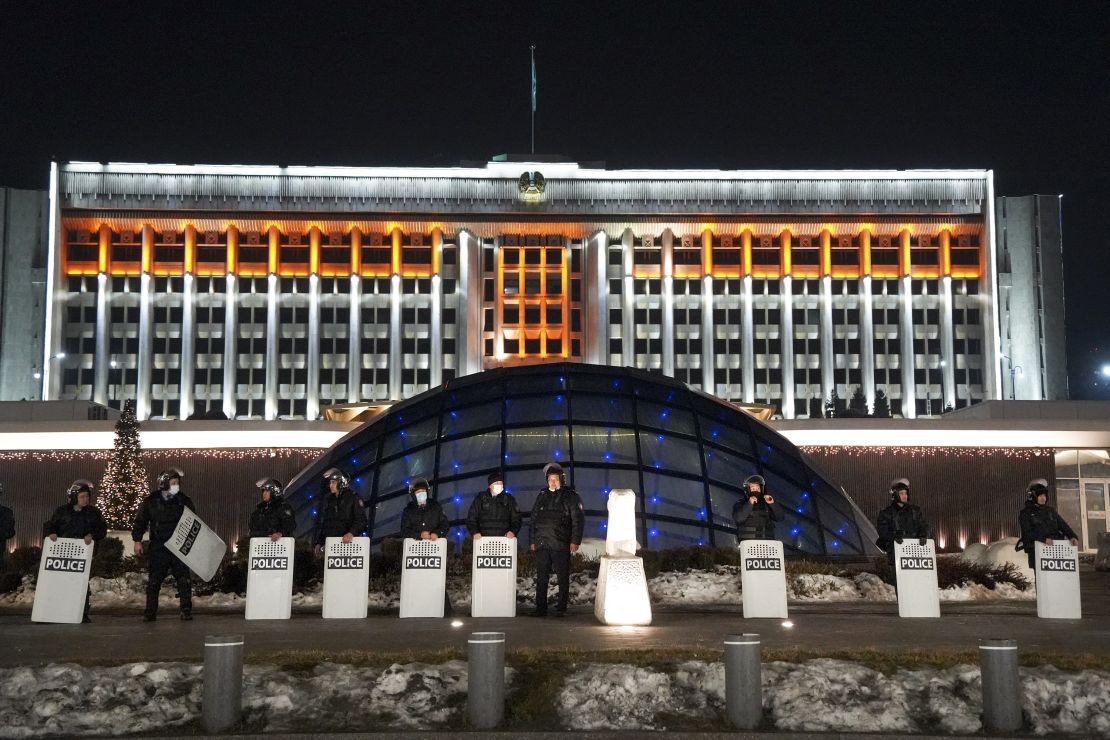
828	358
436	348
867	340
498	298
354	342
597	299
272	355
231	345
947	352
748	342
628	302
992	379
395	337
667	327
101	359
146	345
707	353
51	379
312	391
905	335
188	345
786	331
469	316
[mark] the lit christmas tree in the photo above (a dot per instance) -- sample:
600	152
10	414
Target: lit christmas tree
124	484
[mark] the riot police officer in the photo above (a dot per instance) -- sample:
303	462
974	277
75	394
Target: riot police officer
900	520
557	521
78	519
755	513
273	517
493	512
340	515
423	517
160	512
1040	522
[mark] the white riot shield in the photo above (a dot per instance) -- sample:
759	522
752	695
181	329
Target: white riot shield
270	578
63	581
346	577
1058	581
196	545
423	578
915	568
493	577
763	578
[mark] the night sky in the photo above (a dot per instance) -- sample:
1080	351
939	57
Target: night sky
1023	89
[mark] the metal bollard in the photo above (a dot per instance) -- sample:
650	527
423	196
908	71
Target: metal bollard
743	681
485	679
998	664
222	707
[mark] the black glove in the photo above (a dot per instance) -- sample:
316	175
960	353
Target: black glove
898	538
922	541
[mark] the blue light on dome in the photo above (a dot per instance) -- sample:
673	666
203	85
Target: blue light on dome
795	531
805	496
653	532
654	499
457	499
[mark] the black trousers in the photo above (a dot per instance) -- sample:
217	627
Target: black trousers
162	563
546	560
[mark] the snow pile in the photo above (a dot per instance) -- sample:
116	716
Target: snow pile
583	588
64	699
826	695
718	586
149	697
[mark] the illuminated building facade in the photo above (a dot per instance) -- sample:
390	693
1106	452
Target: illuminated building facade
270	293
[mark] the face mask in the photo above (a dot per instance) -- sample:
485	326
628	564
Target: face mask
421	497
174	488
496	489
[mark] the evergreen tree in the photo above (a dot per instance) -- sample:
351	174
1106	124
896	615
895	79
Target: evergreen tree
124	483
834	405
882	405
857	405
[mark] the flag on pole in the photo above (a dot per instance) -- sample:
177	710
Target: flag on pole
533	78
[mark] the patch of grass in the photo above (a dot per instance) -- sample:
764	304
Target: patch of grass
307	660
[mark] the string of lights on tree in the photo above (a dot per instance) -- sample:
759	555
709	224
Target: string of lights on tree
124	483
1013	453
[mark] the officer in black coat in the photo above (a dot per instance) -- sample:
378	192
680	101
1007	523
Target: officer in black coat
423	517
7	529
557	521
160	512
273	517
339	513
1040	522
755	513
900	520
493	513
78	519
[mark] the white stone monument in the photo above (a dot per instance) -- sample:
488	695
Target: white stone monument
622	594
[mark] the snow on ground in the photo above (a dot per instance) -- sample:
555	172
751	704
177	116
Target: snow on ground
148	697
832	696
721	585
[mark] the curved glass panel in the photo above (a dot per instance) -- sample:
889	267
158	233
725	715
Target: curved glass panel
684	453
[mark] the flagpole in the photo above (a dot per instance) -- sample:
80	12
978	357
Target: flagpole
533	102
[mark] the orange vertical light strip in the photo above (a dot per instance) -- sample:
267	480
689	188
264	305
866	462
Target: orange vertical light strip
865	253
275	245
904	265
826	252
104	257
543	303
746	253
499	304
146	259
314	250
395	237
232	250
946	253
706	252
784	252
356	251
437	249
190	249
566	303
